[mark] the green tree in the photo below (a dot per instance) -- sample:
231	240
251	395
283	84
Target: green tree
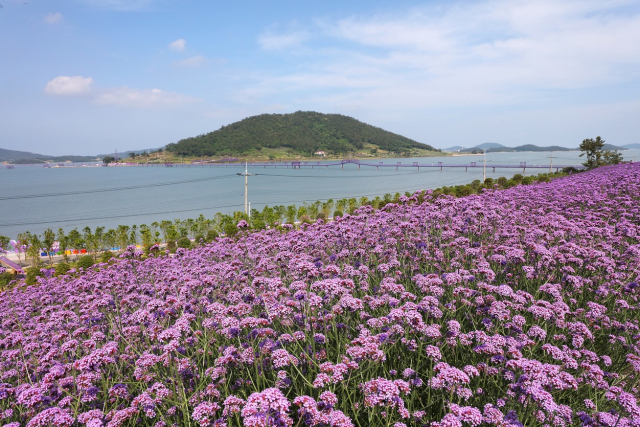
63	239
109	239
4	243
75	240
327	207
612	157
133	235
291	214
122	236
34	248
108	159
592	148
302	211
48	241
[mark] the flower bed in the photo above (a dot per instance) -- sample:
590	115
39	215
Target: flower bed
507	308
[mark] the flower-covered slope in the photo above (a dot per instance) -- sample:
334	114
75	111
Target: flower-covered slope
509	308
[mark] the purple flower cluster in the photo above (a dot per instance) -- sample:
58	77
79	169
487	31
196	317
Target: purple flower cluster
508	308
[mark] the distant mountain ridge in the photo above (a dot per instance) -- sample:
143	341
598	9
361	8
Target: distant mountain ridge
301	133
492	147
14	156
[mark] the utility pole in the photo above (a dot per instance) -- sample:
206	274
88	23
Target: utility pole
484	167
246	175
551	164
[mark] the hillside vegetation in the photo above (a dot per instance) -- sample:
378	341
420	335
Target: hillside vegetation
302	133
18	157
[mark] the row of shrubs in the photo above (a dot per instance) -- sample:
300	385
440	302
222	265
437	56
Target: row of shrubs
231	229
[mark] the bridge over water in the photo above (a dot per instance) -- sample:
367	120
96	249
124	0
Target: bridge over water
359	163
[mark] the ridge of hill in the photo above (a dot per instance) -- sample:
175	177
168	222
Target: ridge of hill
17	157
301	133
529	147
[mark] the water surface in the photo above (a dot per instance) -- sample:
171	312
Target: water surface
168	193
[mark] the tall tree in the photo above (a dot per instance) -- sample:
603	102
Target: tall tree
64	242
48	241
4	243
592	148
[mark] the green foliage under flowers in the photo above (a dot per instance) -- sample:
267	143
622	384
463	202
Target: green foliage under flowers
184	243
85	262
106	256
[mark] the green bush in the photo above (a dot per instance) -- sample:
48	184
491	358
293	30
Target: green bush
517	178
543	178
85	261
171	246
502	181
62	269
488	181
322	216
338	213
570	169
527	180
184	243
305	219
199	240
106	256
211	236
32	274
230	230
258	224
5	278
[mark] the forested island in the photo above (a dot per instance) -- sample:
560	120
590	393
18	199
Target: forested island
300	134
492	147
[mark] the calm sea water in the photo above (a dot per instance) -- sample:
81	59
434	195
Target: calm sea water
34	198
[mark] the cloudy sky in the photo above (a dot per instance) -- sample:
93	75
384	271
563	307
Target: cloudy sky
88	76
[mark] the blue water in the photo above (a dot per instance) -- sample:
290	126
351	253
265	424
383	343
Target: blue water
212	190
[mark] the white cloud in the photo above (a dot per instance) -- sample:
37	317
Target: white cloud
178	45
120	96
193	62
462	54
147	98
53	18
270	41
69	86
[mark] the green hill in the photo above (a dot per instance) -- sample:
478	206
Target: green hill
302	133
17	157
529	147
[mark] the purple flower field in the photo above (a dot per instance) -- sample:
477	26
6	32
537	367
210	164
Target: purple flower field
510	308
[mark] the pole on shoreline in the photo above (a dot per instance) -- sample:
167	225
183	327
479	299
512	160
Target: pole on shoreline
484	168
246	175
551	164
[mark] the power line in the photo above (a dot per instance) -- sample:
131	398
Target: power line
104	190
92	219
117	216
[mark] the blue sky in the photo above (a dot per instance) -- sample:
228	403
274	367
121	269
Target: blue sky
88	76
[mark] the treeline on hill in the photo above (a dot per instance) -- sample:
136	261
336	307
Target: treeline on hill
303	132
100	245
